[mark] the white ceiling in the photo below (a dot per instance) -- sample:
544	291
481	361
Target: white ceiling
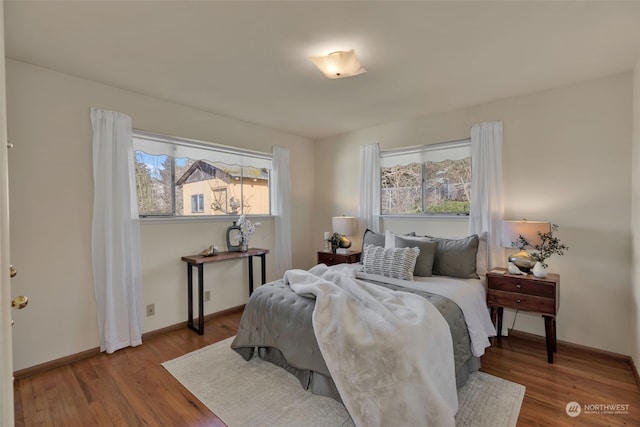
249	59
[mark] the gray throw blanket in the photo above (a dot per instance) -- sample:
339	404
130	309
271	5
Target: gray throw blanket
389	353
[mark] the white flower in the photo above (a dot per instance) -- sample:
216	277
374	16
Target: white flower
247	228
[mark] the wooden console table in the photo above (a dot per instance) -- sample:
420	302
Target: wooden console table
199	261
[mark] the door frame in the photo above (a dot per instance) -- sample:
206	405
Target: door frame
6	352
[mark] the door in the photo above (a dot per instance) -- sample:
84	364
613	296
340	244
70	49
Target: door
6	357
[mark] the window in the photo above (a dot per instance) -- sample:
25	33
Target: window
426	180
197	203
173	174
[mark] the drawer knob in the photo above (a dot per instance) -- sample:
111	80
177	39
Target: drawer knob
519	286
518	301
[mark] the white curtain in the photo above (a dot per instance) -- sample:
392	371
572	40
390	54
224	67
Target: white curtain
487	200
369	207
282	210
115	241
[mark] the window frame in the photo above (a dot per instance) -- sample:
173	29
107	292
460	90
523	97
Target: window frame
199	203
421	150
226	151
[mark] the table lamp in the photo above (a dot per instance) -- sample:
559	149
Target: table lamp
345	226
512	230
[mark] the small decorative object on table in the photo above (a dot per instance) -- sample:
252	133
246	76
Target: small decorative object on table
247	228
513	269
548	245
339	241
234	238
210	251
335	242
327	241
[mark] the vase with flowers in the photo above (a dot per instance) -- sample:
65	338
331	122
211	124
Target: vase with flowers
247	229
548	245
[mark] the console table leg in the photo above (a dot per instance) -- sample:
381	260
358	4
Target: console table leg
549	335
190	296
200	299
264	269
250	275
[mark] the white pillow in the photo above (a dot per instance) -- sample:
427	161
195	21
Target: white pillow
390	238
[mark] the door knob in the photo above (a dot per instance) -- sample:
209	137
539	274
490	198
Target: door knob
19	302
12	271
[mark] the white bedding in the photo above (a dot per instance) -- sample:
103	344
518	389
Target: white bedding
468	294
383	377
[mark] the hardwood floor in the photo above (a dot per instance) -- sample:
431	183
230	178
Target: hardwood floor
131	388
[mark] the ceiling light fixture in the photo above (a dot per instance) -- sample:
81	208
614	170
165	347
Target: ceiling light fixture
338	65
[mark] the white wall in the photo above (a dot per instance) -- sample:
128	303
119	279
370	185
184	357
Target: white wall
566	159
51	186
635	220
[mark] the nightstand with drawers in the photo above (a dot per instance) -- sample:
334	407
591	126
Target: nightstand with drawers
527	293
330	258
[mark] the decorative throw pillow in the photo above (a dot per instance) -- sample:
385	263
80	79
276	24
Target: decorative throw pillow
424	263
482	257
398	263
456	257
372	238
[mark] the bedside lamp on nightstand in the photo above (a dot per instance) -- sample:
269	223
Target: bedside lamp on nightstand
511	230
345	226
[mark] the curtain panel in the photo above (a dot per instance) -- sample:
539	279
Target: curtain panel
115	243
487	199
282	210
369	206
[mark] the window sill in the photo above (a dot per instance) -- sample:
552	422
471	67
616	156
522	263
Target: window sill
428	217
183	219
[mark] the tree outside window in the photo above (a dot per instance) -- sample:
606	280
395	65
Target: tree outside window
427	180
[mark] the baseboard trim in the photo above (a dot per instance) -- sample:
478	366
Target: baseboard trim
634	370
67	360
181	325
590	350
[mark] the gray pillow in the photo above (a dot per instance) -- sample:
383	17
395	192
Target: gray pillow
456	257
372	238
397	262
424	263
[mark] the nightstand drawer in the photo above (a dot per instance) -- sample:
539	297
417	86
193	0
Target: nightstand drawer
525	286
329	258
520	301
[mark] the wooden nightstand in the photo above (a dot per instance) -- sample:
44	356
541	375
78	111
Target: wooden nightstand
329	258
527	293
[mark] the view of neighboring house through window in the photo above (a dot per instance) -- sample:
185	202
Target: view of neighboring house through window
177	177
431	179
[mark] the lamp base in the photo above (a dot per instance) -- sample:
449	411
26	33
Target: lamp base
523	260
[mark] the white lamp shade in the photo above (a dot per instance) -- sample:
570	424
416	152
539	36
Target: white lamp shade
338	65
344	225
527	229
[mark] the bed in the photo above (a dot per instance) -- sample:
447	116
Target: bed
277	322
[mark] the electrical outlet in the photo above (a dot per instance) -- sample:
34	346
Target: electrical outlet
207	296
151	310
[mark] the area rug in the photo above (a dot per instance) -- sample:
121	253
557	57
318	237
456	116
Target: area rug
257	393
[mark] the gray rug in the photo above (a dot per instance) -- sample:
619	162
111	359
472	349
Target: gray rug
257	393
